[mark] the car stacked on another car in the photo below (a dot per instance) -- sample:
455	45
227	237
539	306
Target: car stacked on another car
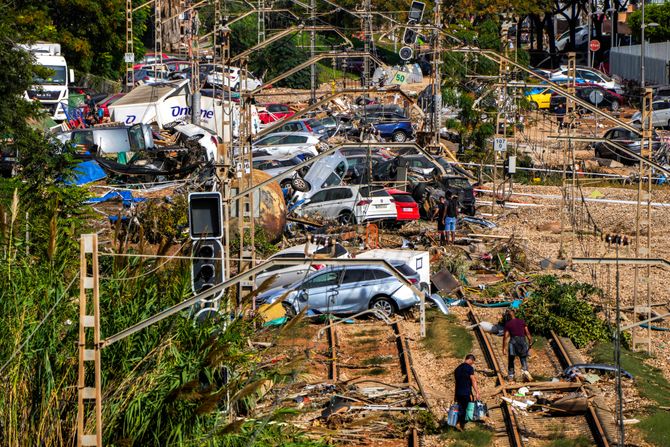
407	209
618	138
274	112
660	116
288	144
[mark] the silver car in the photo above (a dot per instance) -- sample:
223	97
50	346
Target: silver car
288	274
344	290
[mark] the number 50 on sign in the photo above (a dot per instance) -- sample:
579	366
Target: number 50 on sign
500	144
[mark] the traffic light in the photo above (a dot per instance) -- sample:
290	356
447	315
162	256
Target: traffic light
205	217
206	265
409	37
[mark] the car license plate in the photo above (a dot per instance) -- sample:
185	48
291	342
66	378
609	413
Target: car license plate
407	210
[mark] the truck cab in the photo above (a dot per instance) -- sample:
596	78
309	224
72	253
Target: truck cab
52	91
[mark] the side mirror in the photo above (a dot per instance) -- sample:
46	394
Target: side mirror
303	296
71	76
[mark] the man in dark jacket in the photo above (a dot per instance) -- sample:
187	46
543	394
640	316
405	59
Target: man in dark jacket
440	214
466	383
516	343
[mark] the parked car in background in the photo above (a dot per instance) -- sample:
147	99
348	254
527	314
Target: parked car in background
662	92
660	116
151	58
274	112
406	207
539	98
290	274
581	38
349	204
288	144
591	76
344	290
393	129
593	94
233	78
150	76
625	138
336	125
305	126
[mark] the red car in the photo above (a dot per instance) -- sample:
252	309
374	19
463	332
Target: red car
405	205
275	112
108	101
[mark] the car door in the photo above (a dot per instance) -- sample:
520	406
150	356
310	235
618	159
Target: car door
355	290
320	292
315	205
661	114
337	200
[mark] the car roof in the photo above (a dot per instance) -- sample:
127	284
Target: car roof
397	191
301	134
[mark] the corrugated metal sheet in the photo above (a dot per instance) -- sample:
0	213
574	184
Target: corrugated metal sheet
625	62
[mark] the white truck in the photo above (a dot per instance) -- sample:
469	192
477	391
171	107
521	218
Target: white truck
52	91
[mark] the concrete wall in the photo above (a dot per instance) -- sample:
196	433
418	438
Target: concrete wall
625	62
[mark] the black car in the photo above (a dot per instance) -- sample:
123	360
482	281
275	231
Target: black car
625	138
428	194
591	93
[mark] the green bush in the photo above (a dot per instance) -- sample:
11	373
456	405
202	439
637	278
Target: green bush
563	308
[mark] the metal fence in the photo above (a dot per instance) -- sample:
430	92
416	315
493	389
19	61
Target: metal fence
625	62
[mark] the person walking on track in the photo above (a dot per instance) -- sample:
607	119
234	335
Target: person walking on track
466	383
516	343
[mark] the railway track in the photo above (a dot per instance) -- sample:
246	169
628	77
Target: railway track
548	360
371	355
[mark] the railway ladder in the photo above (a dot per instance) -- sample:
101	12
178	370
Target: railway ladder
89	353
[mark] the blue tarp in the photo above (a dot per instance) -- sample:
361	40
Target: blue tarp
126	196
87	172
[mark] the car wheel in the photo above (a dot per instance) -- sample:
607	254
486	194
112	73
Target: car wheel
614	107
300	185
285	183
290	311
534	105
399	136
383	304
346	218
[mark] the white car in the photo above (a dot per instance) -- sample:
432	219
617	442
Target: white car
233	78
660	116
290	274
581	37
588	75
288	144
323	173
207	139
272	166
350	204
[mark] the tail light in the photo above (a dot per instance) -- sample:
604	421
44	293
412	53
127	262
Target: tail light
413	280
214	140
309	128
364	202
318	266
392	201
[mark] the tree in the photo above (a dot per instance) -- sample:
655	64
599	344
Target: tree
657	13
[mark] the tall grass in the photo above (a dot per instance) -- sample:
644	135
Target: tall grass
162	386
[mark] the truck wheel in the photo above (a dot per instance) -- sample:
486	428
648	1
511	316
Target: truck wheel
399	136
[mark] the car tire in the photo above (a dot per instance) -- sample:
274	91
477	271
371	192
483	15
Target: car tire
399	136
285	183
384	304
300	184
614	107
347	218
289	310
534	105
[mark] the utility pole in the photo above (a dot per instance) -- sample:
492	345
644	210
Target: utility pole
367	28
437	76
89	319
130	47
312	43
643	221
194	47
568	185
261	21
158	25
642	50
